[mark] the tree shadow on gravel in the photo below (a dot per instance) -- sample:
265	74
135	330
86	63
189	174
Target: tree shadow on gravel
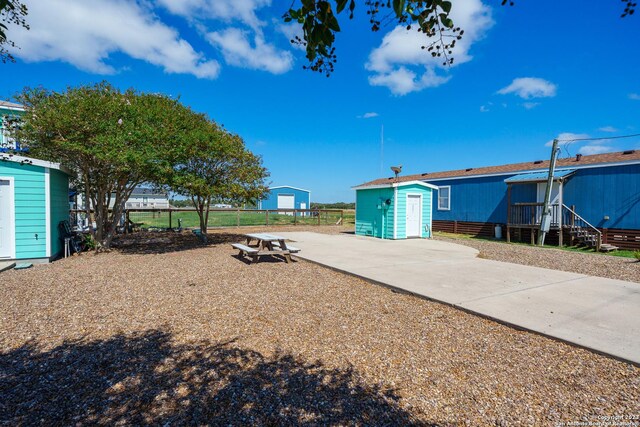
145	378
167	241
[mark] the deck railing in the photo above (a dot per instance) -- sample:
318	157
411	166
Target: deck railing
530	214
581	226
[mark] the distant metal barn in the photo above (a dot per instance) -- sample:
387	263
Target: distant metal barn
286	197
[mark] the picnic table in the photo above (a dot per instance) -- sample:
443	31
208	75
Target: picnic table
266	245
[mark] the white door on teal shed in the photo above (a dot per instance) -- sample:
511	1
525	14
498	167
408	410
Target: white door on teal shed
7	212
414	215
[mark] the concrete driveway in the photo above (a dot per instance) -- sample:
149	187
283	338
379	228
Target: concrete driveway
597	313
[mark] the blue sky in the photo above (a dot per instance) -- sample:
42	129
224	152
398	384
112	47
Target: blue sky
524	75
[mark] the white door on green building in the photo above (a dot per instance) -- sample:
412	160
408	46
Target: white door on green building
413	215
7	232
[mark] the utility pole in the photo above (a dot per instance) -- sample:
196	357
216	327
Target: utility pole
545	221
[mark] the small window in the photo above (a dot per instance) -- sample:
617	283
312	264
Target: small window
444	198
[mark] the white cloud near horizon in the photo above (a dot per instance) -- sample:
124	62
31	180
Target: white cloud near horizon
566	136
238	50
609	129
84	33
368	115
589	149
530	87
400	63
634	96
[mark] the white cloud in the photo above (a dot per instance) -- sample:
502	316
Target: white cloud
634	96
85	33
567	136
243	11
368	115
402	80
595	149
530	87
291	31
238	51
484	109
401	48
530	105
609	129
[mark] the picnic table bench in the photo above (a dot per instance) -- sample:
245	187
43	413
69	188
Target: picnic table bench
267	245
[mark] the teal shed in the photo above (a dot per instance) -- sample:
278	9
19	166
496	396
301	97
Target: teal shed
34	198
397	210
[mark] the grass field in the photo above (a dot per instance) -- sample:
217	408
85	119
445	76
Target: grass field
234	218
580	249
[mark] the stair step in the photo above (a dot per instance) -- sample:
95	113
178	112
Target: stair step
608	248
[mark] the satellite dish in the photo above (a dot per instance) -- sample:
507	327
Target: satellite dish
396	170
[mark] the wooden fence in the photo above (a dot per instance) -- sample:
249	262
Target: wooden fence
188	217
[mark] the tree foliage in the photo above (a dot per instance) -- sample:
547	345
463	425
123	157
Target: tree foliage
113	140
319	22
116	141
218	169
12	12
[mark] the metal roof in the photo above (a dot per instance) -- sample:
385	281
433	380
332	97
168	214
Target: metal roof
10	105
395	184
539	176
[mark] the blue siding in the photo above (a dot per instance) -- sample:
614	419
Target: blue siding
612	191
300	196
474	200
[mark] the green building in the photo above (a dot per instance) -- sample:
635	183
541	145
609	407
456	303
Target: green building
394	210
34	198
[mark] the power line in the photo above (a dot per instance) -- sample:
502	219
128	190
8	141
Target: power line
599	139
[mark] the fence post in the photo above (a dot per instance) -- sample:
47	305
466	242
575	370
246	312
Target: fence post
238	217
319	215
341	217
170	224
455	227
127	222
295	217
267	216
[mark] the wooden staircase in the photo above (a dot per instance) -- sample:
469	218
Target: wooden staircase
582	233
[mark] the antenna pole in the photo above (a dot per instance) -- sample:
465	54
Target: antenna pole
381	149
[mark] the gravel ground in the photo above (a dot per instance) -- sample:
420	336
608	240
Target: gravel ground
166	331
584	263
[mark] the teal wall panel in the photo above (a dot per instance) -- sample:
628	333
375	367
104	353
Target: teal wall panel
371	221
30	207
59	192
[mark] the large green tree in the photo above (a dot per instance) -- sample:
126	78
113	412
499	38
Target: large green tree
218	169
113	140
12	12
319	20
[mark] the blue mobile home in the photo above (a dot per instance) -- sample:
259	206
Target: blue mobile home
34	198
600	190
286	197
394	210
